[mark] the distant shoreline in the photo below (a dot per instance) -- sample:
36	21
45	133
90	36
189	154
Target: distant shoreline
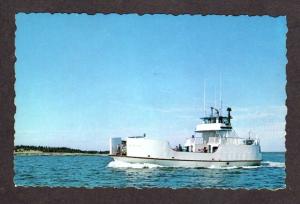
24	150
31	153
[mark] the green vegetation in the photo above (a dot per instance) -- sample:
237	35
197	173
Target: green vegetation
42	149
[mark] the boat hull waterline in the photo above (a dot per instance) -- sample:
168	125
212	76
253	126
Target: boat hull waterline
187	163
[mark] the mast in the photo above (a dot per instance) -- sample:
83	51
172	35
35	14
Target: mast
215	96
204	105
220	92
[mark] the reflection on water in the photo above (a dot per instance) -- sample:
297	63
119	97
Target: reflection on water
99	171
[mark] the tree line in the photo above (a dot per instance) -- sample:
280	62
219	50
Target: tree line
20	148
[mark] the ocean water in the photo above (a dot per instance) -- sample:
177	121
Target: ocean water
102	171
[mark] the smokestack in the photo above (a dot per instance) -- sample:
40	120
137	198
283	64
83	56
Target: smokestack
229	116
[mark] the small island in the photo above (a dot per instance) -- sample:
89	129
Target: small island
45	150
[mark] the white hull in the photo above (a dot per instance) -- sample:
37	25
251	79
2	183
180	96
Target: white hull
187	163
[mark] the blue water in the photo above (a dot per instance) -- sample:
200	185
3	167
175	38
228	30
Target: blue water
101	171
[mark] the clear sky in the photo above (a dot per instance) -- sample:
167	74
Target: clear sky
81	79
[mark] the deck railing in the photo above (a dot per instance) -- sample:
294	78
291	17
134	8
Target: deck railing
233	140
228	140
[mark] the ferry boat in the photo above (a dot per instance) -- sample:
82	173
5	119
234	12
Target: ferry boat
214	145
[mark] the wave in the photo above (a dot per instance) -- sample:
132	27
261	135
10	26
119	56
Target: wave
273	164
225	167
266	164
234	167
250	167
269	164
121	164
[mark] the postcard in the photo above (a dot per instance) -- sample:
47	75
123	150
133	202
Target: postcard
151	101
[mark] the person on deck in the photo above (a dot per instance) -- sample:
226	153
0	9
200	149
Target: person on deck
119	150
180	148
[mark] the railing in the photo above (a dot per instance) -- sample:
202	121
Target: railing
233	140
214	139
227	140
239	141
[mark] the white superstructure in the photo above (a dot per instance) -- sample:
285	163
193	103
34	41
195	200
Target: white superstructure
215	145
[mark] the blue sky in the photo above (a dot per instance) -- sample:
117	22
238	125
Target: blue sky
81	79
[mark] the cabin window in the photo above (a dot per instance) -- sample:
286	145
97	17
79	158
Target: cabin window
215	149
209	148
225	120
249	142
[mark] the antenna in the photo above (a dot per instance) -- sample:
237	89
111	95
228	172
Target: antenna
220	92
204	105
215	97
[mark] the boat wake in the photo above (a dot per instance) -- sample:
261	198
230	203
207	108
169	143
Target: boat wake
235	167
273	164
226	167
264	164
121	164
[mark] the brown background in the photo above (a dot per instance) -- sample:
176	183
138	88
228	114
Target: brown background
11	194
